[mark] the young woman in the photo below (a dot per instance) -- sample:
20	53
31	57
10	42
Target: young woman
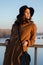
23	35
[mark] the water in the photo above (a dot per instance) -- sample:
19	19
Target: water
30	51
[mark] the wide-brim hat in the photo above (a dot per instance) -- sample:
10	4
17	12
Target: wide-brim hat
23	8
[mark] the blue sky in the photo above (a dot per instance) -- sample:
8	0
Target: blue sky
9	9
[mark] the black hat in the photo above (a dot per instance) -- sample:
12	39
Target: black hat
23	8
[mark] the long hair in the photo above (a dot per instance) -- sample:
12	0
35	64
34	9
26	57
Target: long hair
20	20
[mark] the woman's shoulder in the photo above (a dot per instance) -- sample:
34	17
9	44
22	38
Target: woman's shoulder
34	26
14	25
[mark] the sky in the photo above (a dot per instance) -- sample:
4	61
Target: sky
9	9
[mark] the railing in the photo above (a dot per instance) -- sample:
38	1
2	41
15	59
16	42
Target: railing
35	52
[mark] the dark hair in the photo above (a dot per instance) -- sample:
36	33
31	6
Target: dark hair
22	10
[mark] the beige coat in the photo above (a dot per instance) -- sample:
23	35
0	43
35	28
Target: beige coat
14	50
28	32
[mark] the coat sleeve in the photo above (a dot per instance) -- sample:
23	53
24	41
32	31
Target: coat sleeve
33	35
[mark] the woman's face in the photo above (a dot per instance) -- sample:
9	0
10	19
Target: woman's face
27	14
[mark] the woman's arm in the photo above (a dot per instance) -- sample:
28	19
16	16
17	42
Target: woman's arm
33	36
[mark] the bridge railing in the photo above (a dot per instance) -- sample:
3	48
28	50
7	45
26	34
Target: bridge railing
36	46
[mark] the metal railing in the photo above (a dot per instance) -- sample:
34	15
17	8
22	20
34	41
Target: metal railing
36	46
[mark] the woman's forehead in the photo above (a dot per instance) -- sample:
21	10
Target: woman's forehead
27	10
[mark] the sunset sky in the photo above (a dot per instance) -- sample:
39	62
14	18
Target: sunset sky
9	9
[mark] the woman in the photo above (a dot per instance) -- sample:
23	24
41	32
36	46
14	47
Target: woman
23	35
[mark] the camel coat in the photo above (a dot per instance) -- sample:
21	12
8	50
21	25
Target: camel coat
13	49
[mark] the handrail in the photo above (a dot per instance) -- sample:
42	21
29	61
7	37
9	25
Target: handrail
36	45
35	50
3	44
